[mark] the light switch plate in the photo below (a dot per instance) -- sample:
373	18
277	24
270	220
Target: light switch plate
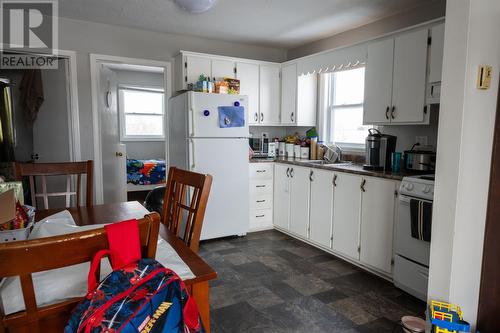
483	77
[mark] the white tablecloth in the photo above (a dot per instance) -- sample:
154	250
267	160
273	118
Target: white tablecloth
56	285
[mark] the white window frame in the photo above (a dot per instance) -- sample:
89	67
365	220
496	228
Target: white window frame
346	146
121	113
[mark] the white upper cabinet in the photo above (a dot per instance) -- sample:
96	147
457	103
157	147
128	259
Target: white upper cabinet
321	215
223	68
409	82
378	82
436	53
377	223
195	66
248	74
307	97
299	200
269	94
289	94
346	213
396	80
281	199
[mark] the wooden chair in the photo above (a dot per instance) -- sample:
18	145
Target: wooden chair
182	215
23	258
32	170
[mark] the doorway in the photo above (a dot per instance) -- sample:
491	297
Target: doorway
130	98
43	112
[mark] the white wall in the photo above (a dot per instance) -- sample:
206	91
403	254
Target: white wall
465	140
87	37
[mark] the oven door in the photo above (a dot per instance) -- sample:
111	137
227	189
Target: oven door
407	246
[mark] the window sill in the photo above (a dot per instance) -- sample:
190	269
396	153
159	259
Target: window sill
139	139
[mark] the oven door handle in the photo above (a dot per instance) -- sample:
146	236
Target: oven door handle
406	199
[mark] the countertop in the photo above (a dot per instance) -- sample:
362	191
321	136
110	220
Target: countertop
348	168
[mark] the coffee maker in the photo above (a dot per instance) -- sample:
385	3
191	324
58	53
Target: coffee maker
379	148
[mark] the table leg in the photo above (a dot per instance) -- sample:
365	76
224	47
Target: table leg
199	291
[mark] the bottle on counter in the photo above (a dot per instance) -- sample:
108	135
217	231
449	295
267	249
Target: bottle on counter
314	148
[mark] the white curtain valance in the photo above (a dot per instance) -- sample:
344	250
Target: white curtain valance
336	60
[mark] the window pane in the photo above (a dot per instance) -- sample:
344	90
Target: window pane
143	125
346	125
135	101
349	86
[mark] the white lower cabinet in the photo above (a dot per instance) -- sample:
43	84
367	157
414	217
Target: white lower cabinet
346	214
321	212
281	198
377	223
299	200
261	196
350	214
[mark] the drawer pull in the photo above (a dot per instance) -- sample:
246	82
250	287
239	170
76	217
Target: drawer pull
260	185
261	171
261	200
260	215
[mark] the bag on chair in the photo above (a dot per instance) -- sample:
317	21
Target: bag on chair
140	295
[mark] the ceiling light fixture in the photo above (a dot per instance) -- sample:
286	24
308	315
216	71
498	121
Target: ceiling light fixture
195	6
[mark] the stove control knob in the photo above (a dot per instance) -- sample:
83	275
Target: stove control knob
409	186
426	189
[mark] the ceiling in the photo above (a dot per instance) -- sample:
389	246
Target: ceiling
278	23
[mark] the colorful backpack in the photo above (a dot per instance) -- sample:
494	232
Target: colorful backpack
141	296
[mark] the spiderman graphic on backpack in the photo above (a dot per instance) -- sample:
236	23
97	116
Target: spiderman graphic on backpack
139	296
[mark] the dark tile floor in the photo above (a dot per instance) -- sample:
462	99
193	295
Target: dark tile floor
270	282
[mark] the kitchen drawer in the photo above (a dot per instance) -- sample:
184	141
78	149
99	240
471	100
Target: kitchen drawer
258	202
261	170
261	186
262	216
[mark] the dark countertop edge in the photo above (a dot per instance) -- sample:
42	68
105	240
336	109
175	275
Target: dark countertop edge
353	168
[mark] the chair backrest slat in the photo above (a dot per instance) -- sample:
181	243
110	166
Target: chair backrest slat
184	204
68	169
23	258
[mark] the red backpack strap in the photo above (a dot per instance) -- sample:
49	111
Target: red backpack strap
94	265
124	243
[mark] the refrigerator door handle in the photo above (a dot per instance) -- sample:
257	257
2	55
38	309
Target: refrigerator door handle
191	109
193	165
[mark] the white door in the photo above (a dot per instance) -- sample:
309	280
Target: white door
281	198
436	53
269	92
222	69
307	97
289	94
248	74
377	223
197	66
410	67
226	160
378	82
346	215
299	200
321	216
204	116
113	153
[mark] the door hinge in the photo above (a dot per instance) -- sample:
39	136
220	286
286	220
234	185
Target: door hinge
185	64
396	193
186	78
429	40
392	262
331	238
359	249
425	109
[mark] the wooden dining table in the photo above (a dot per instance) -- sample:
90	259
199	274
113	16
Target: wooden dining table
198	286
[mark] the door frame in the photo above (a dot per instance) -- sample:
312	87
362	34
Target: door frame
95	60
75	152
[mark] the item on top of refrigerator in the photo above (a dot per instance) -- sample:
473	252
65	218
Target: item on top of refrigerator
234	85
221	87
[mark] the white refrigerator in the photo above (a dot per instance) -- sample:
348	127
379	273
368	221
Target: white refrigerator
204	140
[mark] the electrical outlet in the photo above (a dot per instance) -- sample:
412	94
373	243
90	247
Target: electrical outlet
422	140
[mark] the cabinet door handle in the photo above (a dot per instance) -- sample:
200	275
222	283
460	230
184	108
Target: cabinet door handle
260	215
363	182
288	172
256	117
311	175
260	186
260	171
261	117
259	201
392	112
291	117
291	172
335	180
387	113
